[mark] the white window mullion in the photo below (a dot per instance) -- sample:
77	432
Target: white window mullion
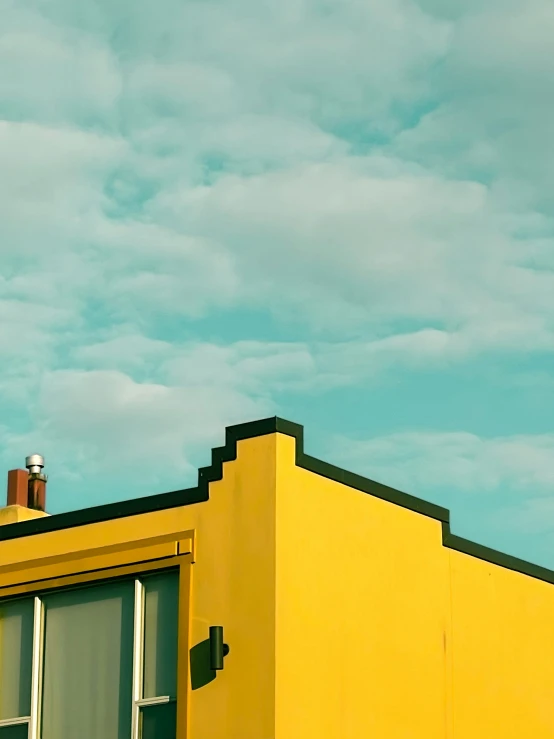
155	701
138	640
15	721
36	674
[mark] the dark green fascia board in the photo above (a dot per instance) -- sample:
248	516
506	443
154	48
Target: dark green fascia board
214	472
500	559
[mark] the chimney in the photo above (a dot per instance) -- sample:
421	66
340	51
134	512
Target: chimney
36	499
18	487
27	488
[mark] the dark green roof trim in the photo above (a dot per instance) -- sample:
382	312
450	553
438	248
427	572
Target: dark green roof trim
363	484
500	559
227	453
100	513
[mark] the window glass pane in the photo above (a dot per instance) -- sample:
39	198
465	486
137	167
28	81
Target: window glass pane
161	610
159	722
20	731
88	663
16	656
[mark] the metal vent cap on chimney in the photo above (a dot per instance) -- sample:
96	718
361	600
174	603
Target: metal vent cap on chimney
35	464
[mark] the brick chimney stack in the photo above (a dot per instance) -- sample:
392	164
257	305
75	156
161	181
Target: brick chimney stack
27	488
18	487
37	482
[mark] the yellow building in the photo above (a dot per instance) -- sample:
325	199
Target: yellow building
349	608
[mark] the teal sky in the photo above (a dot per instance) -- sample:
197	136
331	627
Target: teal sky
337	212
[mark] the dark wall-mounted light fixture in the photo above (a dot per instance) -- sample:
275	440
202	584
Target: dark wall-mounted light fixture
218	649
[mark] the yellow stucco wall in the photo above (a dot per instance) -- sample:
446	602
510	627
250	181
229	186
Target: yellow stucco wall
17	513
383	632
503	652
346	616
233	585
362	613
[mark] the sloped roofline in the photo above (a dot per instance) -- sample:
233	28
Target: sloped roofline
214	472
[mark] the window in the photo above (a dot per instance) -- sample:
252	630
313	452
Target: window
155	702
16	658
96	662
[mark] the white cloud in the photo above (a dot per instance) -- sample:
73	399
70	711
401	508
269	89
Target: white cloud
51	183
494	102
453	461
377	241
156	271
125	351
120	125
255	367
53	74
101	425
352	245
312	59
531	518
129	401
258	369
